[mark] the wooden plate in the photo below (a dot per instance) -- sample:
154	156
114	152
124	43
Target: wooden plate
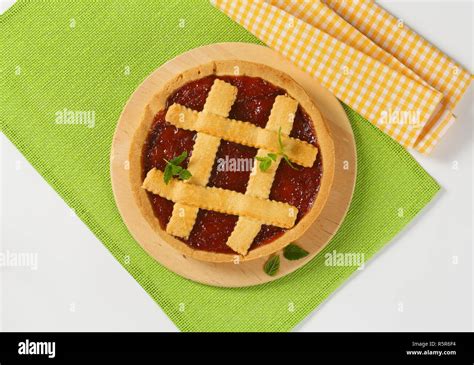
243	273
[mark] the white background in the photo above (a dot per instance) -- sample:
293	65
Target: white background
422	281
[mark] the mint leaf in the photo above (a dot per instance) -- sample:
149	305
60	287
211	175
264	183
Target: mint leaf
266	161
265	164
184	174
272	265
294	252
177	160
273	156
176	169
168	174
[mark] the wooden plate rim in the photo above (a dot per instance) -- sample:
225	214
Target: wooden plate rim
244	273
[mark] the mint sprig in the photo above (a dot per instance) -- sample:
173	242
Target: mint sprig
282	151
173	169
266	161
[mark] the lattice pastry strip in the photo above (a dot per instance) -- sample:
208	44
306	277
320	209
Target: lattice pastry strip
220	200
241	132
219	101
260	182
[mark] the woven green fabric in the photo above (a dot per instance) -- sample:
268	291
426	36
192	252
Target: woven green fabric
90	56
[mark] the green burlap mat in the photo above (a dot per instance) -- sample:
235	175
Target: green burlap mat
90	56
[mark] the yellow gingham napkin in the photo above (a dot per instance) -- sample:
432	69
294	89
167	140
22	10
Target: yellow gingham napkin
366	57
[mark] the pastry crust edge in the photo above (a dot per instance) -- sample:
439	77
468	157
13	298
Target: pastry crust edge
222	68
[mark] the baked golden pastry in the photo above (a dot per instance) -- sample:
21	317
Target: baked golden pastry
231	159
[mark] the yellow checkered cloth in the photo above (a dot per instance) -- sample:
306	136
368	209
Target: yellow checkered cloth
366	57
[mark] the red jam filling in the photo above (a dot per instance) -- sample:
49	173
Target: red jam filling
254	102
